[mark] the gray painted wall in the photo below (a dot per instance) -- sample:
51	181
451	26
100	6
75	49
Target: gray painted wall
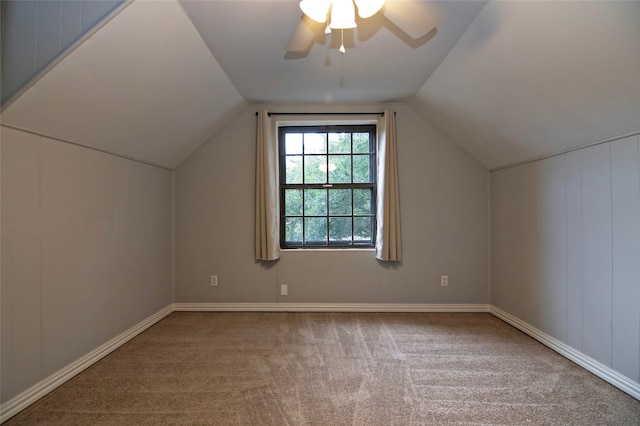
444	209
565	256
35	32
86	252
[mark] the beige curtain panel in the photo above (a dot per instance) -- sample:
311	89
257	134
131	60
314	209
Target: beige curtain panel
388	240
267	203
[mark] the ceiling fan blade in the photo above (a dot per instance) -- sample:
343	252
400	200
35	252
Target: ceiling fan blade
410	18
303	36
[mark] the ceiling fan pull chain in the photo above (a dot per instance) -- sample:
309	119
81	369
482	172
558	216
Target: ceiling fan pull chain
342	49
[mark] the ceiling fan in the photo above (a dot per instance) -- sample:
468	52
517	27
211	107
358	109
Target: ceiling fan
408	16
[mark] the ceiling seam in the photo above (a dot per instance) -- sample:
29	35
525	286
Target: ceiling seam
575	148
228	120
414	104
59	139
62	55
197	30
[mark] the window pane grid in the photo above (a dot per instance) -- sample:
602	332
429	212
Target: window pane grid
327	177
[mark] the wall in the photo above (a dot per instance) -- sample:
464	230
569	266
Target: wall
86	252
444	210
565	253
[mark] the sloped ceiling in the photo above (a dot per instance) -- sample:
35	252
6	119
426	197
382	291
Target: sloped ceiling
530	79
506	81
144	86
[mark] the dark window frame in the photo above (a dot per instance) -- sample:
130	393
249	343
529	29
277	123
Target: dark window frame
283	186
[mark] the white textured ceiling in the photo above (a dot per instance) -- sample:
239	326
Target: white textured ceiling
530	79
506	81
381	64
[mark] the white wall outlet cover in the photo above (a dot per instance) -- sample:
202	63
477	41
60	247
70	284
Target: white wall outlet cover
214	281
283	290
444	280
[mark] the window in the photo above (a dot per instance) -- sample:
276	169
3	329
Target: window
327	186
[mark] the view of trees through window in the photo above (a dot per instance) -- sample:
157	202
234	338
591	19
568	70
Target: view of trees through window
327	186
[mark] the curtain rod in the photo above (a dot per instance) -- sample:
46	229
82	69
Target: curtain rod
325	113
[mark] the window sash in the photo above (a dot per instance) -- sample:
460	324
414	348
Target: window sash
302	219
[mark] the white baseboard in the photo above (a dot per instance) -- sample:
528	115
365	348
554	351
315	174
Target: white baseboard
605	373
40	389
37	391
330	307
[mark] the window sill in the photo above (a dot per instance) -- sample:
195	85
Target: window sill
311	250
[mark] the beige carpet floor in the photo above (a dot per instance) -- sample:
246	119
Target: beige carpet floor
333	369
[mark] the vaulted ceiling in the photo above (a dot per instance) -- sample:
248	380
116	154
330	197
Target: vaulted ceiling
506	81
529	79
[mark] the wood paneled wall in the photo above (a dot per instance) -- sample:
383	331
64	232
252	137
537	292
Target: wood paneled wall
86	253
566	249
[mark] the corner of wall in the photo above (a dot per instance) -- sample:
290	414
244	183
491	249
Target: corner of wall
173	236
419	109
489	271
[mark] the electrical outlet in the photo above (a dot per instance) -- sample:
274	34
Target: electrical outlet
214	281
444	280
283	290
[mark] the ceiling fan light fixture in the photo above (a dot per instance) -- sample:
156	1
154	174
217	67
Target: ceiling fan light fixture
368	8
316	9
343	14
